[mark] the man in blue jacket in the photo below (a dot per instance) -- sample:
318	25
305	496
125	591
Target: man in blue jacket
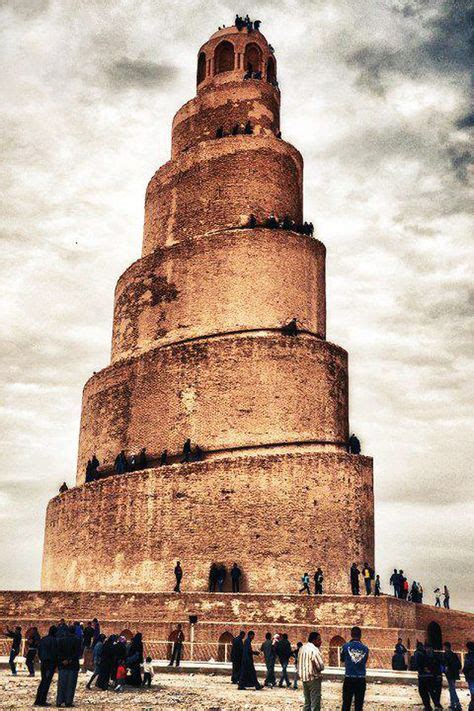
354	654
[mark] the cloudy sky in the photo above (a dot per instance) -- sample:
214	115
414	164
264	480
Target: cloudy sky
375	95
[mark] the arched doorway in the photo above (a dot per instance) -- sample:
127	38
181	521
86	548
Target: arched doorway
201	70
434	635
271	70
224	57
334	651
253	58
225	638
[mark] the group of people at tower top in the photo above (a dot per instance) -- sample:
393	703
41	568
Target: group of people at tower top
281	223
246	23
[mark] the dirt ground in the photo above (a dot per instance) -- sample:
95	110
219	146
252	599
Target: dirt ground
207	693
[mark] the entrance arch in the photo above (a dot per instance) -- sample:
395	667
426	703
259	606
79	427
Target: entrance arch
224	57
271	70
334	647
225	638
201	68
253	58
434	635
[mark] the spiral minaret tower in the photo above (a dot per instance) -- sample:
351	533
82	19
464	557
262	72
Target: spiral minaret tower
198	352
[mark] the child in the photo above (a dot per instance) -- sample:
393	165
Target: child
377	586
121	675
148	672
295	655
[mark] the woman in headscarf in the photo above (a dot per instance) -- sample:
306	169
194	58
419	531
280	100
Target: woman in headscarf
134	660
106	662
248	675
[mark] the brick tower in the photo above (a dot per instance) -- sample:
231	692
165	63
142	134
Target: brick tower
198	352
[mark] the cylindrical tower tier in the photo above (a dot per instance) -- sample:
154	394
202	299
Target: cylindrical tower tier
276	515
218	184
223	392
238	280
223	108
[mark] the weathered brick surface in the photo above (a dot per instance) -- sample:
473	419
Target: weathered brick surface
274	514
225	282
382	619
224	392
224	107
218	184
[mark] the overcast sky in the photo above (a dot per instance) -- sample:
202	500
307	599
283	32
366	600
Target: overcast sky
375	96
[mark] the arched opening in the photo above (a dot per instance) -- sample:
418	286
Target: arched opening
201	70
253	58
434	635
271	70
334	651
225	638
224	57
128	634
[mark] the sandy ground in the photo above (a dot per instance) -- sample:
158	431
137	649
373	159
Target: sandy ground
207	693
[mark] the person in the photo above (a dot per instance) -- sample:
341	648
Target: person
121	676
148	672
413	594
286	223
248	130
305	581
89	471
468	671
252	221
398	659
271	222
135	660
420	592
353	445
95	464
62	628
269	655
177	646
283	650
248	675
164	458
236	653
428	669
311	229
33	640
377	586
256	24
290	328
235	575
68	653
355	572
64	487
220	132
142	459
120	652
354	654
452	667
15	636
295	653
310	666
235	129
367	575
405	587
213	577
96	659
79	632
178	574
96	626
446	598
186	451
88	635
221	576
198	454
394	582
48	660
318	581
437	593
121	464
106	662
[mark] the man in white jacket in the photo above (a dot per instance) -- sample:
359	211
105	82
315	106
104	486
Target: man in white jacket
310	666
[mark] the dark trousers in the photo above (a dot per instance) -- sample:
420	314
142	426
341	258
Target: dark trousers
429	691
47	673
177	587
355	587
318	589
305	587
368	585
11	660
67	680
147	679
353	688
235	585
30	661
236	668
284	673
176	654
270	679
396	591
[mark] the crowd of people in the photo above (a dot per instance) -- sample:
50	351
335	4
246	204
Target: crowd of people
246	23
281	223
237	130
116	662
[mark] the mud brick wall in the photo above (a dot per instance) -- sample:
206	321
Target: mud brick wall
223	392
232	281
276	515
224	107
218	184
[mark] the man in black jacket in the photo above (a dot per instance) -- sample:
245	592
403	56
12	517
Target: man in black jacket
452	667
283	650
48	659
15	648
69	652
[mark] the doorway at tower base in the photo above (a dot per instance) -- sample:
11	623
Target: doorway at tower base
277	515
222	615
